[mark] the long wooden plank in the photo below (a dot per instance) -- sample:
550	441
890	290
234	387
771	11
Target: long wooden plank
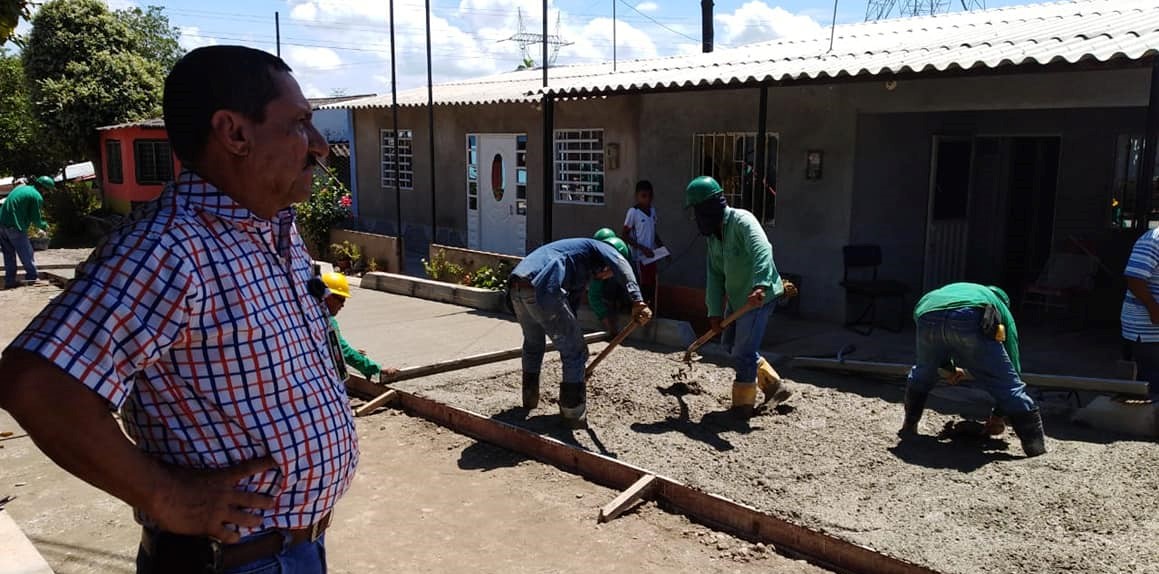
627	330
816	547
626	499
375	403
474	361
897	370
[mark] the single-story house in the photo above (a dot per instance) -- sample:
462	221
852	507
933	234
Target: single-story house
968	146
138	162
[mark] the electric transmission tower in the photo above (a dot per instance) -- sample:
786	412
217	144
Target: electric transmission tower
527	39
881	9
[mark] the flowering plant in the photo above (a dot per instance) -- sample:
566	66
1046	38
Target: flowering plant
329	204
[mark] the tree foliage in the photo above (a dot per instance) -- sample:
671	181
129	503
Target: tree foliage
87	67
23	150
11	11
154	37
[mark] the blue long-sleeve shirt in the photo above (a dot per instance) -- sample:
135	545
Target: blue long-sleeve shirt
563	268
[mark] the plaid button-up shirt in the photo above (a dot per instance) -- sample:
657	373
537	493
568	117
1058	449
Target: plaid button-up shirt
195	318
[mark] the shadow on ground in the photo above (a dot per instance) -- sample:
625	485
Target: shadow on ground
65	556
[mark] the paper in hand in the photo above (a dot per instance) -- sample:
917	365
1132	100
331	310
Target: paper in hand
657	254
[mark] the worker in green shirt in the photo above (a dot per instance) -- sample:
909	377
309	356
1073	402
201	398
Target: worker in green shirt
967	328
338	292
603	294
741	270
20	210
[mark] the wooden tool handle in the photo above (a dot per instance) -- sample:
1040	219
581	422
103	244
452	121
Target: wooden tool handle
611	346
714	332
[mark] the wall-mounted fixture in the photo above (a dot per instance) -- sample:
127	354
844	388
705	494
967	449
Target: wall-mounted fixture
611	156
814	161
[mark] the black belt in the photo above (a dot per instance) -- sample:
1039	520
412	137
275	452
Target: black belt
180	554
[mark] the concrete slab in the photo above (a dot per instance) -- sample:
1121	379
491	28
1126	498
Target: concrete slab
17	554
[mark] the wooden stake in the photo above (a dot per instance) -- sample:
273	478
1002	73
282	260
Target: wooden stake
375	403
626	499
611	347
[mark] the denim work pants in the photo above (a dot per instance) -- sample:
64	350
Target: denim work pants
956	334
744	338
1146	356
555	320
305	558
15	244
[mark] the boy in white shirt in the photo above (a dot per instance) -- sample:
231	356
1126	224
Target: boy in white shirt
640	233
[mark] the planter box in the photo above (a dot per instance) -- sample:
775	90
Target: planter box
483	299
39	244
382	248
471	259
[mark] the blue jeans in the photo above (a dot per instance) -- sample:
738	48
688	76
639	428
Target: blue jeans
744	338
14	243
550	319
305	558
956	334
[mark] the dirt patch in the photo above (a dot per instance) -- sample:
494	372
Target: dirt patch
831	461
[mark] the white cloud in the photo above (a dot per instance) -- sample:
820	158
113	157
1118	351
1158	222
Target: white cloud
312	58
191	38
647	6
756	21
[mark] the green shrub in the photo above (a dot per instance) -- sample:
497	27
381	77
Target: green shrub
346	255
487	278
329	205
66	208
439	269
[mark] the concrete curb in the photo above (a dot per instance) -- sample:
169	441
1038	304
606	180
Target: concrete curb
44	267
1136	419
658	331
483	299
17	554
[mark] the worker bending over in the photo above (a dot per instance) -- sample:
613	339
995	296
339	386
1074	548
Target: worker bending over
338	291
545	290
966	327
741	268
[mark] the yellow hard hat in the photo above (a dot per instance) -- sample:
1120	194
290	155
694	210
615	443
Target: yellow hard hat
337	284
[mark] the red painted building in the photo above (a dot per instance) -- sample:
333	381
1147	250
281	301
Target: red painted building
136	162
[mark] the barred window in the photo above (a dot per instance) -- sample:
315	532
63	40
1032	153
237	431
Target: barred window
114	169
579	166
406	173
154	161
730	158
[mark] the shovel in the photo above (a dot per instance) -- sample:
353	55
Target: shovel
623	334
714	332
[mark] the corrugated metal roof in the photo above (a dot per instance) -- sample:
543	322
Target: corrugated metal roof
1061	32
149	123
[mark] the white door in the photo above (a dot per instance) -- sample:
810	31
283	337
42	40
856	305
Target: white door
949	211
502	213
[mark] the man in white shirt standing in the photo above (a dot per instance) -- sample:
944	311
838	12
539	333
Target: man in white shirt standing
640	233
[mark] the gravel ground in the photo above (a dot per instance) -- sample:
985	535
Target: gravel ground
829	459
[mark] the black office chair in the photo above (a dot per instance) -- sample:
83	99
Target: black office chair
863	261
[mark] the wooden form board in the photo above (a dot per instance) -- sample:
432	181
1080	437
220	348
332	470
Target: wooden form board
475	360
897	370
817	547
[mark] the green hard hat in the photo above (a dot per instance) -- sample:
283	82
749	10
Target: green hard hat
620	246
604	233
45	181
701	189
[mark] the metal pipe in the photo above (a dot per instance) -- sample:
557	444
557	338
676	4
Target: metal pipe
614	34
761	160
278	34
431	128
833	26
548	165
706	31
394	127
544	43
1144	184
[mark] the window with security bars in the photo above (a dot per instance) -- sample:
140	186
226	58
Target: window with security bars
1125	189
472	172
730	158
154	161
579	166
405	168
114	169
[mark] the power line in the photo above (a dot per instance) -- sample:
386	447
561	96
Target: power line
657	22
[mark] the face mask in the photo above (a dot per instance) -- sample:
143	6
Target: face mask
709	216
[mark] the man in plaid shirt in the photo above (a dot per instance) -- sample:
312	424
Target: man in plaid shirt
194	320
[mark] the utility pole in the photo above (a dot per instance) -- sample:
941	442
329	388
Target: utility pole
278	34
545	43
614	34
431	127
394	114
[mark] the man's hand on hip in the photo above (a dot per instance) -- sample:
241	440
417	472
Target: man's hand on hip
204	502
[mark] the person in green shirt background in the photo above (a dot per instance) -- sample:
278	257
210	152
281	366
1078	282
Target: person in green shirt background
741	268
967	327
20	211
338	292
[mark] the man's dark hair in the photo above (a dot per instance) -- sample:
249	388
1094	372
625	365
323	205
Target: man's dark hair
213	78
643	185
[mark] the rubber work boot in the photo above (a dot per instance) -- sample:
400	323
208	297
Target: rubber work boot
530	390
915	405
1028	427
744	398
775	389
573	405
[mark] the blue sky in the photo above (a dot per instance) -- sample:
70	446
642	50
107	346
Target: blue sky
342	45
